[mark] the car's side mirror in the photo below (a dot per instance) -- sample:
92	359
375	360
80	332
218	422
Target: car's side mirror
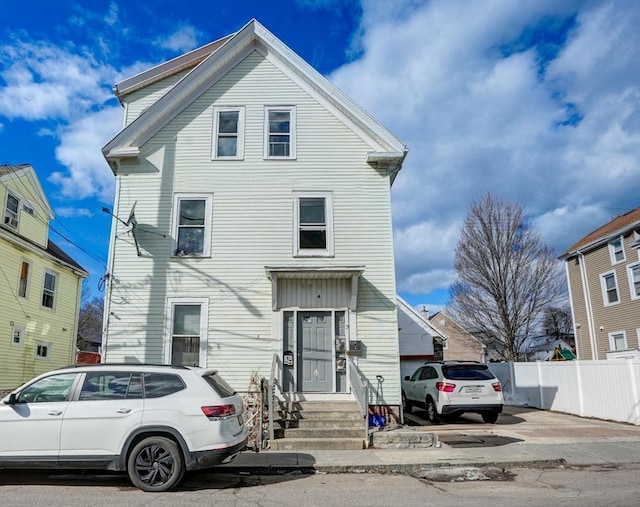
407	377
11	400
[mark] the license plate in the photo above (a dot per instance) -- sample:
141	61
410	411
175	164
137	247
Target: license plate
473	389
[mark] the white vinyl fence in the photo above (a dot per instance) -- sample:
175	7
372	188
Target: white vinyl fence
608	389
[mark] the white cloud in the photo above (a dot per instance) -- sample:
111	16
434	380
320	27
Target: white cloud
185	38
80	151
479	113
69	212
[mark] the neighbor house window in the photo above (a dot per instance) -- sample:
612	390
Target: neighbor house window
49	289
617	341
313	224
280	132
43	350
609	288
633	271
17	336
192	225
23	282
187	333
616	250
11	211
228	128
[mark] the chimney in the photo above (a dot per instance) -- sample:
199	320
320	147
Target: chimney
425	313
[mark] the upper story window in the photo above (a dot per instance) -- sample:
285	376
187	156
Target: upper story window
49	289
192	225
11	211
23	282
228	128
616	250
280	132
633	271
609	288
313	224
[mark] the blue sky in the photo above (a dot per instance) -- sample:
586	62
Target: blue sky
536	102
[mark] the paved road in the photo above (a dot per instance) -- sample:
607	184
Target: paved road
528	487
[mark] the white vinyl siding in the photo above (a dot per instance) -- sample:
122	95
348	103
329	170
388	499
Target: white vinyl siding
251	224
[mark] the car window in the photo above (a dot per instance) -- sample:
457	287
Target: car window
52	388
425	373
467	372
161	384
219	385
108	386
416	374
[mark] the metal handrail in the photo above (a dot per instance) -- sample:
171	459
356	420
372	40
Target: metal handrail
273	384
360	390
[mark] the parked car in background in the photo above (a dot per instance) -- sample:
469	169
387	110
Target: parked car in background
154	422
447	389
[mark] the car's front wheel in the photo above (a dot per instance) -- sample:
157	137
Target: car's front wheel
432	412
156	464
406	404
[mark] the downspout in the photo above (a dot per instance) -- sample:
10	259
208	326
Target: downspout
588	305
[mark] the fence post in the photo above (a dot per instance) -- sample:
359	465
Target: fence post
580	388
635	391
541	389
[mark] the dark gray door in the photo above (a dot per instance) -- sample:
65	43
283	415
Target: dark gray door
315	351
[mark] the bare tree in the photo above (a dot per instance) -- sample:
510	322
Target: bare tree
557	322
506	276
89	320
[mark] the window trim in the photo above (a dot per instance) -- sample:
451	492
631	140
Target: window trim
47	346
239	134
612	342
630	268
204	326
292	132
7	215
177	198
328	209
21	333
27	279
612	250
55	289
603	286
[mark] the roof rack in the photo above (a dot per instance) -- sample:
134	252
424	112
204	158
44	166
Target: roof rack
130	365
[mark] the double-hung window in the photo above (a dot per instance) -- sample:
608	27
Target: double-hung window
633	272
616	250
313	224
228	128
17	336
617	340
187	332
49	289
11	209
609	288
192	225
280	132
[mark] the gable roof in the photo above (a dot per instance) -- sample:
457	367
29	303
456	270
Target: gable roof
404	307
223	55
603	234
33	195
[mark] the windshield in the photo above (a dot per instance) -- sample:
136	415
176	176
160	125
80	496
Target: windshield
467	372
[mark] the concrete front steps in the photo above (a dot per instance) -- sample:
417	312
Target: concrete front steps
319	425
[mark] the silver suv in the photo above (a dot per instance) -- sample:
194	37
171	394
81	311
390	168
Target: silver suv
448	388
154	422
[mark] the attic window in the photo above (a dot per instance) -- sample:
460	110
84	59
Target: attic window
11	211
279	132
228	128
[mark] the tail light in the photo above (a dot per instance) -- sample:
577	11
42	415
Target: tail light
445	387
219	410
497	387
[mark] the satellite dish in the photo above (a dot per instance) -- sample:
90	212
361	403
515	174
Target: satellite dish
133	223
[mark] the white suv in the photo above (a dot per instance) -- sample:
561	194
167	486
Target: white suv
449	388
155	422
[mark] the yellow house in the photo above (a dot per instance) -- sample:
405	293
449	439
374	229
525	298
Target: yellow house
40	285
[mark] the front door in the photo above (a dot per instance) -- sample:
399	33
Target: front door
315	352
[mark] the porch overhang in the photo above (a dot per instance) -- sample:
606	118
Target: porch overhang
276	273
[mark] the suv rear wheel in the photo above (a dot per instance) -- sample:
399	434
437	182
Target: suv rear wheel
156	464
490	417
432	412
